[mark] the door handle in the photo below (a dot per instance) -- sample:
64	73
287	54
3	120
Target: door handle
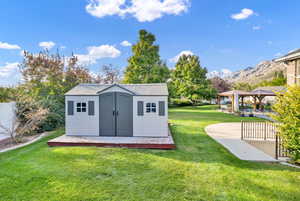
114	113
117	113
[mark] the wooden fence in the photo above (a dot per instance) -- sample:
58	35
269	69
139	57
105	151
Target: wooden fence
263	131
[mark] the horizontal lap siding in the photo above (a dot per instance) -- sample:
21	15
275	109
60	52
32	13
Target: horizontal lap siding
150	124
82	123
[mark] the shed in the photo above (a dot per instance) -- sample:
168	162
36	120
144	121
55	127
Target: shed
117	110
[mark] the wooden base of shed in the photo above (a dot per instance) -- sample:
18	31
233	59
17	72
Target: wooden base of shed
124	142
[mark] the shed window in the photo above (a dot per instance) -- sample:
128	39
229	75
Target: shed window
151	107
81	107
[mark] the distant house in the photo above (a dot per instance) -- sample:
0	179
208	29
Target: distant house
292	59
121	110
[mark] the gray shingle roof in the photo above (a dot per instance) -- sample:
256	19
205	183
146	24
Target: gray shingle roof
157	89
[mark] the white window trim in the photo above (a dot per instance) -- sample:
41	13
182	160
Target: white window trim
81	107
151	107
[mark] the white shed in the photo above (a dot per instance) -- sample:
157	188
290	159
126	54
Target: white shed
123	110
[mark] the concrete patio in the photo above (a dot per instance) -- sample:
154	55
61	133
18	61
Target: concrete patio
229	135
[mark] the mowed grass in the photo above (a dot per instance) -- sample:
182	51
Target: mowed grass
199	169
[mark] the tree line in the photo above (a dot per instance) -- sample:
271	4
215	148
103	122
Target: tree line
48	76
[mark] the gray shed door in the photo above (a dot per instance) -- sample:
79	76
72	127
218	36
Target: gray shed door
124	114
107	117
116	117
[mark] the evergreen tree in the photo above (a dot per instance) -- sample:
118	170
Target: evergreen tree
145	66
189	79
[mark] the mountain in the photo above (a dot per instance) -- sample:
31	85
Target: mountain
263	71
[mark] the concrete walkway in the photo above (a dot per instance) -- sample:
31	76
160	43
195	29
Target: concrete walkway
229	135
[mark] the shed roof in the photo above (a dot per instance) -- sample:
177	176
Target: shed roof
290	56
156	89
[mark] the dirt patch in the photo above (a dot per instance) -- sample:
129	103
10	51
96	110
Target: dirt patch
8	143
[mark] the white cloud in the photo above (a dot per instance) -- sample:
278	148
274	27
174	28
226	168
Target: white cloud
223	73
8	69
98	52
9	74
244	14
185	52
8	46
125	43
47	44
255	28
143	11
270	42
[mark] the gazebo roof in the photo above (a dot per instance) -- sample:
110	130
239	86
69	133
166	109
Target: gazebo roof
260	91
231	93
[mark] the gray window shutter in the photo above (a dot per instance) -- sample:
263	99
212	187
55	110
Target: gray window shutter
70	107
161	108
140	108
91	108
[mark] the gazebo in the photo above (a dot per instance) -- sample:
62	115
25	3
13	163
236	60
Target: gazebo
257	94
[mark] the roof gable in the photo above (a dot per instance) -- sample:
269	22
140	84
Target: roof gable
116	86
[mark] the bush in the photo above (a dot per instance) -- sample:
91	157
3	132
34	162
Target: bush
287	110
180	102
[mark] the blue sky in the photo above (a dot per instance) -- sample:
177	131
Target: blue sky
230	34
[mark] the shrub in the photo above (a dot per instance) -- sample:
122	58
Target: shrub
287	110
180	102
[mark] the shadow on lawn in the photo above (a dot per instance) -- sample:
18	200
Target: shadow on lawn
200	148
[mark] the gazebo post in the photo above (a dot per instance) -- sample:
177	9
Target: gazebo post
254	102
232	103
260	98
242	97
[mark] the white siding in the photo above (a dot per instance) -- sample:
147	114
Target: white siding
150	124
81	124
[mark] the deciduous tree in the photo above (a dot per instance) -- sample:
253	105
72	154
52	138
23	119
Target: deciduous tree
220	84
189	79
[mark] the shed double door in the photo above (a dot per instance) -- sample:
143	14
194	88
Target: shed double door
116	117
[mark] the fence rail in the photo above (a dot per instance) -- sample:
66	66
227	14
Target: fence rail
264	131
258	130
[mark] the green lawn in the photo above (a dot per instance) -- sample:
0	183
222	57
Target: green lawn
199	169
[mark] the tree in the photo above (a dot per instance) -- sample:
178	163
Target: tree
279	79
287	110
75	74
145	66
189	79
7	94
220	84
47	77
28	117
243	86
111	74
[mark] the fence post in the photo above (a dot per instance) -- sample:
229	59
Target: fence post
276	146
242	134
265	133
